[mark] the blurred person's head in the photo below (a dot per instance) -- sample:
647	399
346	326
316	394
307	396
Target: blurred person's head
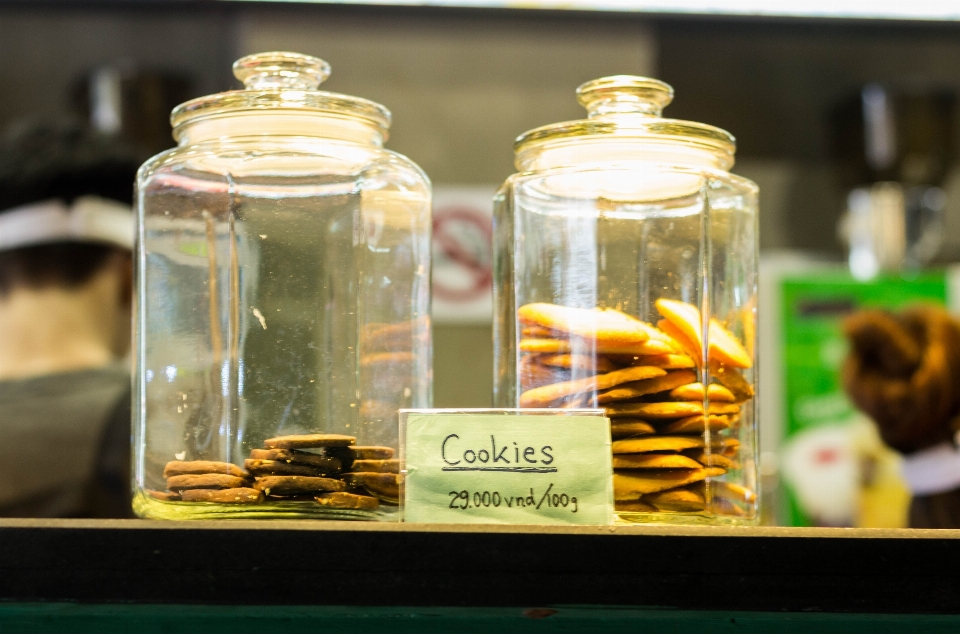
65	238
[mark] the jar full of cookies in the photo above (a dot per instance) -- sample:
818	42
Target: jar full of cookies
283	297
626	279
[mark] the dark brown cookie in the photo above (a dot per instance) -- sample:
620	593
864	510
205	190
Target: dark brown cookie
205	481
340	500
329	464
224	496
376	466
385	486
197	467
309	441
279	467
296	485
346	455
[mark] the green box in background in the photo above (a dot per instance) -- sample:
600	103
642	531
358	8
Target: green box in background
834	468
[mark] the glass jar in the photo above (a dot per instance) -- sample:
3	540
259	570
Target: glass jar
625	255
283	303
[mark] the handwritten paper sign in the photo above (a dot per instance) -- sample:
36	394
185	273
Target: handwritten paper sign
507	468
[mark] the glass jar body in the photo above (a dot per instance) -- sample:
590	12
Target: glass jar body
613	281
283	289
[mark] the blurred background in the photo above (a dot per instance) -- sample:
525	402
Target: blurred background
463	83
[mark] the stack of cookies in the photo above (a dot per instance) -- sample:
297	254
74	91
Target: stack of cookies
670	433
325	469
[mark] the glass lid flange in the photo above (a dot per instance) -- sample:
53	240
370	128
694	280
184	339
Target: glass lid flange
624	108
281	82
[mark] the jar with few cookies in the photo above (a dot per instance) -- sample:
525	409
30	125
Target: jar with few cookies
626	280
283	304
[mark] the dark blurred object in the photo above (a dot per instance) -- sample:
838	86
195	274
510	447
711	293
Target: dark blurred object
903	371
884	134
893	148
132	103
65	309
59	160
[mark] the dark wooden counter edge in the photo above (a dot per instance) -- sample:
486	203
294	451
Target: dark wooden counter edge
368	564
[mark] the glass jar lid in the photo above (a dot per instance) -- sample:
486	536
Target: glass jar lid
628	108
281	83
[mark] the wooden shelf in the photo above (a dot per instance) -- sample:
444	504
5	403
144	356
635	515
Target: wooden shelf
368	565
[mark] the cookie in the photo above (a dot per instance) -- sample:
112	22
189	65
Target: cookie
627	427
205	481
650	386
537	332
633	506
296	485
163	496
385	486
665	411
280	467
690	347
687	326
346	455
677	501
341	500
654	411
383	337
647	348
632	484
694	392
388	360
376	466
722	506
696	425
726	348
732	380
547	394
309	441
734	492
678	361
655	443
533	374
654	461
602	325
224	496
597	365
686	319
712	460
197	467
328	463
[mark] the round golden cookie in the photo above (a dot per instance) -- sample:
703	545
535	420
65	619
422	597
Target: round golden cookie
646	444
548	394
650	386
694	392
632	484
654	461
677	501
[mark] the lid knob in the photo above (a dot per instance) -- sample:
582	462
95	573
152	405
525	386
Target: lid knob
624	94
279	70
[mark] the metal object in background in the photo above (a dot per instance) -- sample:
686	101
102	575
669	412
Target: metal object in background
894	149
134	103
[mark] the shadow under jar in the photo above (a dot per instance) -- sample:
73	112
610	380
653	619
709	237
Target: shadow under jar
283	271
626	279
